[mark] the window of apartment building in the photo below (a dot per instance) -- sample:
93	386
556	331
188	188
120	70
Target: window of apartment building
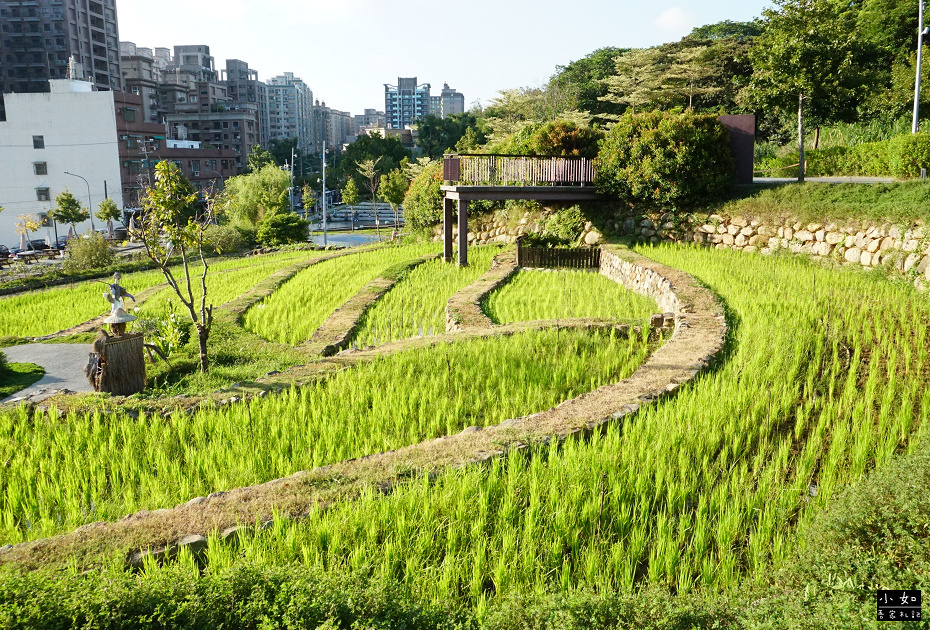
225	124
177	163
195	167
42	194
211	165
38	142
40	168
135	90
129	114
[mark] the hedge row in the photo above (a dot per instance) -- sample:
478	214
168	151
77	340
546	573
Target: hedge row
901	157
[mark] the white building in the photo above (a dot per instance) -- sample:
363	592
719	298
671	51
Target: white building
69	129
290	107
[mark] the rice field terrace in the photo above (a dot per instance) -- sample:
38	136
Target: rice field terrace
416	304
702	489
300	306
45	312
534	294
823	379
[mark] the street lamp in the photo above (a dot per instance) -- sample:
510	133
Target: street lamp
921	32
90	207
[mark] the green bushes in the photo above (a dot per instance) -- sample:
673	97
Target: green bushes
557	138
224	239
423	202
902	157
92	252
566	224
661	159
282	228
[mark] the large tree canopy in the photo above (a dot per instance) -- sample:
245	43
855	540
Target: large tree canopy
372	147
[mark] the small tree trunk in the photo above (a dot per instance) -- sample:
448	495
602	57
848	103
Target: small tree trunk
801	164
202	334
816	138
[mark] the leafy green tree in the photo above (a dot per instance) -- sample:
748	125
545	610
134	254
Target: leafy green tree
308	197
690	74
387	153
423	201
582	81
636	81
173	223
68	209
259	158
437	136
281	229
107	210
806	59
281	150
249	198
727	29
368	169
392	188
350	194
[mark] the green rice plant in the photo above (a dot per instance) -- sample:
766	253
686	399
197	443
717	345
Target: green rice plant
416	304
40	313
302	304
562	294
707	487
63	471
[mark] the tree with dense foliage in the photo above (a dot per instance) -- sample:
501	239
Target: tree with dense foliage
350	194
281	150
249	198
68	209
689	74
423	201
392	189
437	136
662	160
108	211
387	153
174	223
259	158
637	80
583	80
806	60
281	229
308	197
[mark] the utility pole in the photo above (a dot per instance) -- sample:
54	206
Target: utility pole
290	190
921	31
324	193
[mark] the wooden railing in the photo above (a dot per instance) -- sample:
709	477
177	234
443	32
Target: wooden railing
516	170
549	258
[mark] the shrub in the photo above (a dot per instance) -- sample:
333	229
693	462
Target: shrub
423	202
166	331
908	154
224	239
566	224
92	252
561	138
660	159
281	229
3	361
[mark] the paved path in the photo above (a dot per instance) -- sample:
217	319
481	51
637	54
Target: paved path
825	180
63	362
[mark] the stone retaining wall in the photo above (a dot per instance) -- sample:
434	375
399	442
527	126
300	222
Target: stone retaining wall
901	248
642	280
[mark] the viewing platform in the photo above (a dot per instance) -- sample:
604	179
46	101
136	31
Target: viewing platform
472	177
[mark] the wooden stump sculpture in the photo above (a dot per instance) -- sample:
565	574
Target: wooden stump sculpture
117	364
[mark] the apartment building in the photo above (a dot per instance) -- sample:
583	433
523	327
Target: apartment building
406	102
290	109
57	39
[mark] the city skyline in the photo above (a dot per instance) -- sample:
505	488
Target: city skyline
462	49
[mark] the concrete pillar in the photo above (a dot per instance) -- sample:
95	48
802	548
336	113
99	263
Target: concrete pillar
448	217
463	233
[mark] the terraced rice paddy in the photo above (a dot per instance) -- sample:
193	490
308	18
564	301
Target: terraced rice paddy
300	306
823	379
63	471
531	295
40	313
416	305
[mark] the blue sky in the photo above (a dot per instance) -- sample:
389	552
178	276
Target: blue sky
346	50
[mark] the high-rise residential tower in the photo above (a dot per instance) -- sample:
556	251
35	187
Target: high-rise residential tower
57	39
406	102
